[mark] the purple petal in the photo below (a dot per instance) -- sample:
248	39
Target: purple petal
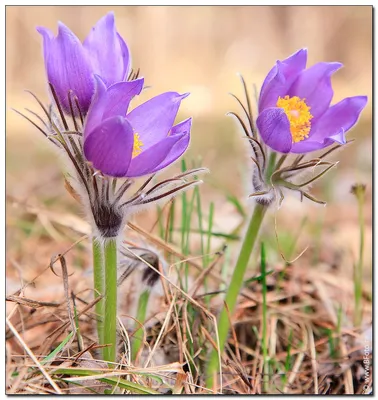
333	125
110	102
126	57
109	146
338	138
47	37
274	128
178	149
150	159
314	85
96	110
340	117
108	52
153	119
119	95
306	146
280	78
67	66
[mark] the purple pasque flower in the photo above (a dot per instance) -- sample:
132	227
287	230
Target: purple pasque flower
70	64
135	143
295	115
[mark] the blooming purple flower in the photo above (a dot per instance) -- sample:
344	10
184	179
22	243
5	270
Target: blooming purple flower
70	64
89	121
135	143
295	115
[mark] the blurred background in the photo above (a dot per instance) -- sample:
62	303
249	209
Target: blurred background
201	50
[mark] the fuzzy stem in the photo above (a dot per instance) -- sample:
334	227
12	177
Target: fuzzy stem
110	324
99	287
140	318
234	288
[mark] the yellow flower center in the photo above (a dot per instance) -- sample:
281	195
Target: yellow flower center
138	144
298	113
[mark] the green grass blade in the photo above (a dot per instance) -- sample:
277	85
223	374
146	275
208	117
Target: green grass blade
264	339
140	318
57	349
116	381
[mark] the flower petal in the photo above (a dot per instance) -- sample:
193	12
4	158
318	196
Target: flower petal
48	38
109	56
110	102
178	149
96	110
338	138
274	128
280	78
307	146
153	119
150	159
340	117
67	66
119	95
333	125
109	146
126	57
314	85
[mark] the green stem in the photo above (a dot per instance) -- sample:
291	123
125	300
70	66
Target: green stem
140	318
264	341
234	288
359	191
99	286
110	328
271	166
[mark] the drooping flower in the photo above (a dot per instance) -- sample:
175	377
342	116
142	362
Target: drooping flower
70	64
140	142
295	115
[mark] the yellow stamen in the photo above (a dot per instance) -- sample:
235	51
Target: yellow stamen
298	113
138	144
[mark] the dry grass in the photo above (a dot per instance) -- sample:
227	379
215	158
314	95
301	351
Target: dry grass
312	347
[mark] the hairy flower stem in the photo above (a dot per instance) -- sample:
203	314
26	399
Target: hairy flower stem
110	321
99	287
235	287
140	318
